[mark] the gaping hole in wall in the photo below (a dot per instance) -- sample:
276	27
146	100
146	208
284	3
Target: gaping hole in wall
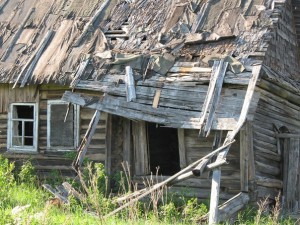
23	118
163	149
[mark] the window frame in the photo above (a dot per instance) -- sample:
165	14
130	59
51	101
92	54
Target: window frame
24	148
75	121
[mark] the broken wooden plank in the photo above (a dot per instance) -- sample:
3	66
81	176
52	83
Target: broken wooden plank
182	69
79	72
88	26
217	92
82	149
213	218
130	86
156	98
56	193
17	35
230	207
167	181
72	191
29	66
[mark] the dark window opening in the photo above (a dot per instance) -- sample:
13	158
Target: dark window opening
163	149
23	125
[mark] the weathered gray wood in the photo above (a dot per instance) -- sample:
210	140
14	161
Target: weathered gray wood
182	149
169	180
232	206
141	155
287	135
215	101
17	34
213	218
210	91
182	69
215	192
269	182
108	140
88	26
130	87
244	149
167	116
81	151
55	193
72	191
29	66
79	72
156	98
127	156
293	168
251	165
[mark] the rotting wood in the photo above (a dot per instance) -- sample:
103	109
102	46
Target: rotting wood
182	149
213	212
156	98
212	97
244	150
33	60
82	149
88	26
182	69
230	207
79	72
269	182
17	35
161	184
216	97
130	87
72	191
56	193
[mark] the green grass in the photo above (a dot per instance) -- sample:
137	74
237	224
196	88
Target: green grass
22	188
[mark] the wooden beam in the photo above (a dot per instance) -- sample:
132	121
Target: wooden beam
287	135
215	101
127	146
130	86
81	151
108	141
244	149
141	155
156	98
213	218
182	149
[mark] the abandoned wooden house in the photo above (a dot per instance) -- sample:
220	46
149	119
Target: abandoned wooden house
204	93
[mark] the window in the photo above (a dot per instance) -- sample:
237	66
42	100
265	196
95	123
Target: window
22	126
62	133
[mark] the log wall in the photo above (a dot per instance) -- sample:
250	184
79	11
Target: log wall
200	187
273	112
282	53
44	159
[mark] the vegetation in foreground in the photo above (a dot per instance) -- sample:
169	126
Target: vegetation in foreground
24	201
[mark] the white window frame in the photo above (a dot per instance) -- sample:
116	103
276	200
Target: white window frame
24	148
76	126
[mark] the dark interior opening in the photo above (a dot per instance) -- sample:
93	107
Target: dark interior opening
26	112
163	149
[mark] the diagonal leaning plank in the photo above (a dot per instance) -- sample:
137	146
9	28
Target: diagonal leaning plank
216	177
82	149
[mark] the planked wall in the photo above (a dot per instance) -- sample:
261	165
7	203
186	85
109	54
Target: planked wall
45	160
200	187
272	111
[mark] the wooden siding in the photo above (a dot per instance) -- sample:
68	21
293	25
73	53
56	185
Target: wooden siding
199	187
45	160
273	112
